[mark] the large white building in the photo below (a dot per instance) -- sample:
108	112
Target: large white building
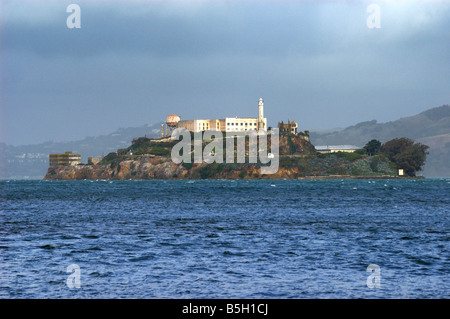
336	148
228	124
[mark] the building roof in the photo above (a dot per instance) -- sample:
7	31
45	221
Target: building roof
336	147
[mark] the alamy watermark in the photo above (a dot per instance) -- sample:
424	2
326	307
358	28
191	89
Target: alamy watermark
374	279
214	141
74	19
374	19
74	279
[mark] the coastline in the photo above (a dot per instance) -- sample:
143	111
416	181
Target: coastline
362	177
147	160
170	171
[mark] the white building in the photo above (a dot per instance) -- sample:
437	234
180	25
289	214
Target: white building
228	124
336	148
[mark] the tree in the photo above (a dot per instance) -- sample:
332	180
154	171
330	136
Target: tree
396	146
372	147
406	154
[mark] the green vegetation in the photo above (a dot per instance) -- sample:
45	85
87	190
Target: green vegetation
109	158
146	146
372	147
406	154
339	163
338	171
187	165
430	127
348	156
292	147
374	164
374	159
208	171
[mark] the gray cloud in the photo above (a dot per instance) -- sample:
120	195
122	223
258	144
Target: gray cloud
247	30
132	64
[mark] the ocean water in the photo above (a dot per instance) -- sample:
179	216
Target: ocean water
225	239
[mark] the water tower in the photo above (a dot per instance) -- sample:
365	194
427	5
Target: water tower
171	123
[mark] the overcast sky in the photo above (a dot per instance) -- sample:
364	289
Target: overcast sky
134	62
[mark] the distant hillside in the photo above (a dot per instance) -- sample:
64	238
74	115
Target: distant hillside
431	127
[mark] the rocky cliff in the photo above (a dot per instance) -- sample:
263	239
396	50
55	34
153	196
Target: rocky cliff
290	167
150	159
144	167
158	167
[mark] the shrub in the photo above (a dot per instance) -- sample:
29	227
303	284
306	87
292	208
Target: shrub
160	151
291	144
206	171
374	163
338	171
219	168
187	165
109	158
372	147
349	156
320	155
406	154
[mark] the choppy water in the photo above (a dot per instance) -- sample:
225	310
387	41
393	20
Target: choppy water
225	239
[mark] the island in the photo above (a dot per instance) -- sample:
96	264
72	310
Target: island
150	158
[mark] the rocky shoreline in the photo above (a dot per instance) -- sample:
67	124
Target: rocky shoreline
160	167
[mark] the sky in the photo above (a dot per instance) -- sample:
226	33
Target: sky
325	64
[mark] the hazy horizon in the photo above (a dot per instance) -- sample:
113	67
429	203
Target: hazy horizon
132	63
157	125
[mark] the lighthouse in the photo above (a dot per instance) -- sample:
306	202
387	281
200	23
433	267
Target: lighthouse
261	122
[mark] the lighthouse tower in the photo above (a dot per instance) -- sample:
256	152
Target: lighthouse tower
261	120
